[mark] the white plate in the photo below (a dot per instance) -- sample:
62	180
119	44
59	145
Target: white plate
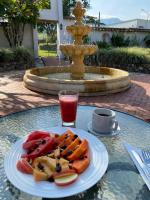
26	183
113	133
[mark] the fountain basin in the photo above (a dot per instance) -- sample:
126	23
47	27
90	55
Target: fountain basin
81	30
78	50
97	81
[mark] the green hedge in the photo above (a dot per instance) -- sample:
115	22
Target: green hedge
102	44
124	56
134	59
18	55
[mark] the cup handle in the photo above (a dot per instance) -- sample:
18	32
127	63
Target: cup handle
116	125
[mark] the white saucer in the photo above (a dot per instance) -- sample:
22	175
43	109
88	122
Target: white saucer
113	133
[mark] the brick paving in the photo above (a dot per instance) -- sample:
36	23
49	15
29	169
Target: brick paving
15	97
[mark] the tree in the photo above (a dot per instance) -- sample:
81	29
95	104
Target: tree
68	4
50	29
119	40
90	19
16	14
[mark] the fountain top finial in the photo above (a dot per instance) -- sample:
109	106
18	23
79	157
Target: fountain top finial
78	30
78	4
79	12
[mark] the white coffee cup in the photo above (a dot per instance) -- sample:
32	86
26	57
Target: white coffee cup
103	121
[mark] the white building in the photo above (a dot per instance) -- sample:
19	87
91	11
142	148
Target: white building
138	28
134	23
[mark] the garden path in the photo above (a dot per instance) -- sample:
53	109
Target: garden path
15	97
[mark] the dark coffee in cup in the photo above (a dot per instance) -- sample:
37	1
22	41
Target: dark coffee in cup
105	115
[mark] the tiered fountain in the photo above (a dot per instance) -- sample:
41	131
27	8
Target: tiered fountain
89	81
78	51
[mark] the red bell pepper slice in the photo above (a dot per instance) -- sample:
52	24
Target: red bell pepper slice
47	145
37	135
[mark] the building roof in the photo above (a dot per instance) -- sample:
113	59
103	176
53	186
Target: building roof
122	22
121	29
46	21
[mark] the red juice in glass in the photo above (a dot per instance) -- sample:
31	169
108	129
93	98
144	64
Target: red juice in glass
68	107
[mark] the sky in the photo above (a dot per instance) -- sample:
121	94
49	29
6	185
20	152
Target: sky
122	9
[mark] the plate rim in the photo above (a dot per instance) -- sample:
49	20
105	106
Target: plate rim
65	195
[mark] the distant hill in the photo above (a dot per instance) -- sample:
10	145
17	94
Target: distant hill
110	21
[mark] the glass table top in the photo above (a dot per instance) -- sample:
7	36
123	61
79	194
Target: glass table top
121	181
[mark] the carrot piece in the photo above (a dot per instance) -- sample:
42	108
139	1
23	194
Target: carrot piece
82	164
79	151
71	147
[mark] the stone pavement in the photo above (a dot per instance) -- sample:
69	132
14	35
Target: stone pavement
15	97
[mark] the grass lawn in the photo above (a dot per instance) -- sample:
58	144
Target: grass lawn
45	53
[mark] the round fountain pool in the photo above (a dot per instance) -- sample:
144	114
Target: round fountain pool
97	80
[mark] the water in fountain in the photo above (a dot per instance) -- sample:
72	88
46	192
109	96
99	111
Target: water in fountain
87	76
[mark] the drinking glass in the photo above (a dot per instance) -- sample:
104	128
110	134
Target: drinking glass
68	107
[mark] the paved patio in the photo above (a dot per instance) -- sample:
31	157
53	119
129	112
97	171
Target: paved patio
15	97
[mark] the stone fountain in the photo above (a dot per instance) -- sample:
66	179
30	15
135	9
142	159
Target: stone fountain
89	81
78	51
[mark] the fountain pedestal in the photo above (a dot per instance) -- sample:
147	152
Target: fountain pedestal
77	68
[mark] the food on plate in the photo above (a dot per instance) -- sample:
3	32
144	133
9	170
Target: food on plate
53	157
37	135
79	152
24	166
66	180
44	146
81	164
40	175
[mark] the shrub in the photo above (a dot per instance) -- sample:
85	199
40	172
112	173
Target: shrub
102	44
131	58
147	40
19	58
118	40
123	56
48	47
23	55
40	41
6	55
